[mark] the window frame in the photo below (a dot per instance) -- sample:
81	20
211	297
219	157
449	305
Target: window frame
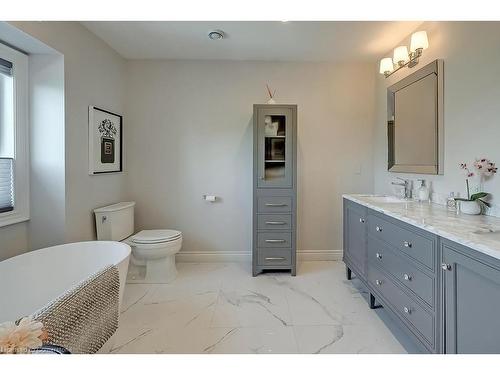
21	167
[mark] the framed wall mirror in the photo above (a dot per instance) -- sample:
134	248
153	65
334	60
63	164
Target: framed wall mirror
415	122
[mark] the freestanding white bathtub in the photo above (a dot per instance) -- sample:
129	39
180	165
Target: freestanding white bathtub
31	280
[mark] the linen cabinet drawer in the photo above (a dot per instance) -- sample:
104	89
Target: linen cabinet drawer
416	246
274	257
272	222
274	204
274	239
402	304
401	269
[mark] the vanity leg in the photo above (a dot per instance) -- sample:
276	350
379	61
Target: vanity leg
372	302
348	273
293	271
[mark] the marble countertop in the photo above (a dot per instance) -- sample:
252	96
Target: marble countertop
479	232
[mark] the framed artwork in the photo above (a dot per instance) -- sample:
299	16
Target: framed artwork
105	141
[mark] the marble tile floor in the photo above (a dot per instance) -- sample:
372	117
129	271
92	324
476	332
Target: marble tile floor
221	308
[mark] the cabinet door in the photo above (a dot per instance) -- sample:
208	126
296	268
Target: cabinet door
355	237
274	150
471	304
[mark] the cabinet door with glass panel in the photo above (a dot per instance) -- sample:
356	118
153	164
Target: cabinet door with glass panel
274	147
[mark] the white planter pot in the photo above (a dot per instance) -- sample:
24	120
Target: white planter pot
470	207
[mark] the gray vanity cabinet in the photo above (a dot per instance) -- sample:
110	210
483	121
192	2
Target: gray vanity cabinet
471	300
444	295
355	239
274	187
397	264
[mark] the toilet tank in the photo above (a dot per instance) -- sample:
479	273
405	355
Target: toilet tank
115	222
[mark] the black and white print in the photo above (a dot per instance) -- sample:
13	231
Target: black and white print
105	141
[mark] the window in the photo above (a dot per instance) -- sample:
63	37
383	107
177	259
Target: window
14	167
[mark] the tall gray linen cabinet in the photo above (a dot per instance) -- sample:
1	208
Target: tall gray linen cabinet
274	188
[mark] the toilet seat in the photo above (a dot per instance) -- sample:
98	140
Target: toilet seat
156	236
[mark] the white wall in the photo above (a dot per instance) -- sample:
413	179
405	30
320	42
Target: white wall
188	129
13	240
47	165
471	104
93	75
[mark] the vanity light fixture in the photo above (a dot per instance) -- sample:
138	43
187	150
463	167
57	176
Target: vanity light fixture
401	56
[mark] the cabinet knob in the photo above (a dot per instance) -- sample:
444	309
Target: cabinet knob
407	244
407	310
378	282
378	229
378	255
407	277
361	220
446	267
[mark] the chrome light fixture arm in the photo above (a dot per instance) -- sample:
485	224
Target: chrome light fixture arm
412	61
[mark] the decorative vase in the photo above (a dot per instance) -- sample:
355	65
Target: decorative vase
470	207
271	101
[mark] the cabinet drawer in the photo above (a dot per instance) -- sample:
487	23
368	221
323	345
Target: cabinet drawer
417	247
404	306
274	239
274	204
269	221
401	269
274	257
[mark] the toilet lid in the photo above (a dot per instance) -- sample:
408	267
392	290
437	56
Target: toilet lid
156	236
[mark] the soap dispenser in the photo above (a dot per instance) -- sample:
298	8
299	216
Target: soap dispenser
423	192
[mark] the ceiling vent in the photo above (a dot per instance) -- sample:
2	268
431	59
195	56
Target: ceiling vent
216	34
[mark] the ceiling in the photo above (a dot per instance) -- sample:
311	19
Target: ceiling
336	41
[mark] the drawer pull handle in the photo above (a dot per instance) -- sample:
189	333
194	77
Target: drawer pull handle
275	241
407	244
446	267
276	258
361	220
275	223
276	204
378	229
378	255
378	282
407	277
407	310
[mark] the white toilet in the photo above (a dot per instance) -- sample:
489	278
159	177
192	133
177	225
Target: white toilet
153	251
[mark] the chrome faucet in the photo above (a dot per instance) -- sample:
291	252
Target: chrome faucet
406	184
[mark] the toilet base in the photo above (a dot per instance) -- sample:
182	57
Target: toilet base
156	271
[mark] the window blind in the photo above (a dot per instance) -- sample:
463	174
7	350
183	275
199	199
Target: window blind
6	185
5	67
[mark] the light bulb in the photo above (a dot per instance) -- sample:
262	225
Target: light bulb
400	55
386	65
419	40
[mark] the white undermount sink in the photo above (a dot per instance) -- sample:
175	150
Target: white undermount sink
386	199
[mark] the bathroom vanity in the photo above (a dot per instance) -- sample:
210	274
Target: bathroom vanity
274	187
436	272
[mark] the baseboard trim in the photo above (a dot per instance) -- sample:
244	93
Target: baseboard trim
312	255
236	257
212	257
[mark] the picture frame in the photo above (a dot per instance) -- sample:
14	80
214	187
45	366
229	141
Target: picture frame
105	141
